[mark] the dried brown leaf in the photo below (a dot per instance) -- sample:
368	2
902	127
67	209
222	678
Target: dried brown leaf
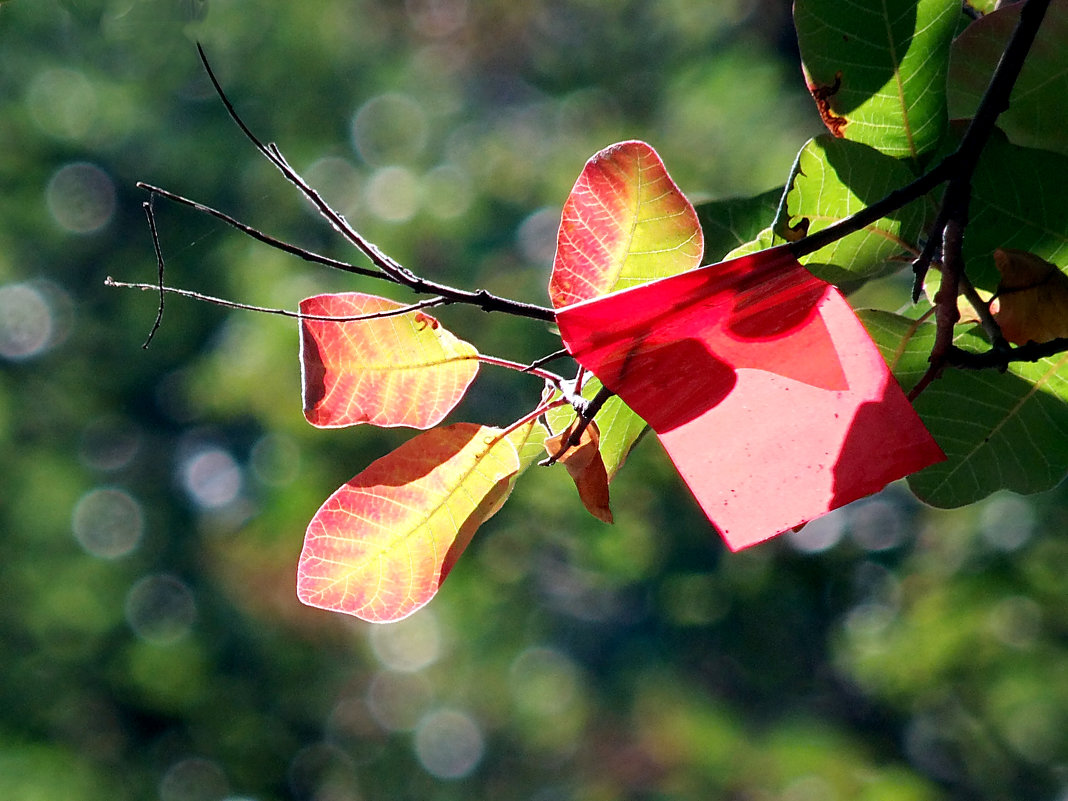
584	464
1032	297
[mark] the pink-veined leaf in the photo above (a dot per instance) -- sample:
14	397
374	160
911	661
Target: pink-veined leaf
624	223
396	370
762	385
381	545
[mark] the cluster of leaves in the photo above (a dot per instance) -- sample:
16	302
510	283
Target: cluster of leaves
382	544
885	82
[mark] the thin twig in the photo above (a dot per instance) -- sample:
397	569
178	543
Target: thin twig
982	308
544	360
541	409
147	206
267	239
947	313
588	413
873	213
1000	359
231	304
557	381
390	269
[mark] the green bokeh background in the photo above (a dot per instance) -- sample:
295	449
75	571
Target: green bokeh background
153	502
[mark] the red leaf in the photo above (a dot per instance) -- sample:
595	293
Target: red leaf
764	388
382	544
399	370
624	223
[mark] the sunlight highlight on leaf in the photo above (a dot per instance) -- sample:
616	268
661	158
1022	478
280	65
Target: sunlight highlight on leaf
381	545
399	370
834	178
763	387
624	223
877	71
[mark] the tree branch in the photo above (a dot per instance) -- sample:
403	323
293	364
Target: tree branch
387	268
952	219
1000	359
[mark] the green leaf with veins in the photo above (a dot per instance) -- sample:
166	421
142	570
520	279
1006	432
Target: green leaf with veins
1018	200
878	70
1037	115
999	430
834	178
763	240
904	343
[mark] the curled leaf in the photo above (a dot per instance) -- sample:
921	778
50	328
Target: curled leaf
1032	297
381	545
584	464
390	370
624	223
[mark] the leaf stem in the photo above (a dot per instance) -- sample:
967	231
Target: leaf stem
557	381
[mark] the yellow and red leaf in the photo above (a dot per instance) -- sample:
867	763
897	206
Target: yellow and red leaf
381	545
394	370
624	223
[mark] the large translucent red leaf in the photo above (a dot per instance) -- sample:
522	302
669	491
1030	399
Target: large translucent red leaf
624	223
399	370
381	545
764	388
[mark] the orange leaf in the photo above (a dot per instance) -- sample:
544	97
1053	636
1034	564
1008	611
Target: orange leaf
584	464
382	544
624	223
1032	297
399	370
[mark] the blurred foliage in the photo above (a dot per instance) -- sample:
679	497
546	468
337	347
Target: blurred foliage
152	503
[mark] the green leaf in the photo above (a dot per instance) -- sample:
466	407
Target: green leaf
1018	200
1037	115
620	427
528	440
878	70
904	343
727	224
998	430
764	239
834	178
